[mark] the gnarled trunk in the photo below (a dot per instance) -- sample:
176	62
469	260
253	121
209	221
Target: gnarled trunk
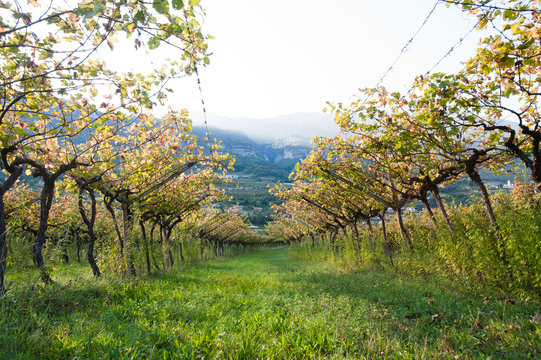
145	242
439	202
386	244
151	246
126	224
180	251
3	247
46	201
8	183
403	231
166	248
89	222
65	255
120	240
332	237
424	200
476	178
370	233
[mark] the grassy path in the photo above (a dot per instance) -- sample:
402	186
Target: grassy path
264	305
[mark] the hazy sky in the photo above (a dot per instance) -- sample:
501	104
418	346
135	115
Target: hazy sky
286	56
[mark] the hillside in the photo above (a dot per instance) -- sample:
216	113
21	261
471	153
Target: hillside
258	166
273	159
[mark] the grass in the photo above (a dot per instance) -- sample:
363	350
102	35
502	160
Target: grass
262	305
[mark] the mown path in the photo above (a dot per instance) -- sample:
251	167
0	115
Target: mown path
264	305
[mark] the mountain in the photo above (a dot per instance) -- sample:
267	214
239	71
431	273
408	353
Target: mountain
273	159
259	165
300	127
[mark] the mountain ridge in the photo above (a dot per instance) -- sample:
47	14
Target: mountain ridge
280	153
303	126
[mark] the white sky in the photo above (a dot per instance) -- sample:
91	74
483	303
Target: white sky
286	56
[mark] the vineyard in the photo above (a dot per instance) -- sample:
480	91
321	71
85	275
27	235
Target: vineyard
100	196
86	163
398	149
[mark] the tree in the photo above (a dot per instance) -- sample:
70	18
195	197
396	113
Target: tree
503	79
223	228
174	201
156	151
52	56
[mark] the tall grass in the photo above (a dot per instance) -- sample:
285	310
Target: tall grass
507	260
260	306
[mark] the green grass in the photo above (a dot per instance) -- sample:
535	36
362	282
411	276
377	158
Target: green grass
262	305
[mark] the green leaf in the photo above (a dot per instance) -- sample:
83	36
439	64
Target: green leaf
20	132
526	44
193	2
139	17
178	4
494	137
508	91
154	42
509	15
89	10
530	62
506	61
161	6
45	54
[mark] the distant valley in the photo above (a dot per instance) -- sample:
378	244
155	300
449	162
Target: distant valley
263	161
274	159
258	166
